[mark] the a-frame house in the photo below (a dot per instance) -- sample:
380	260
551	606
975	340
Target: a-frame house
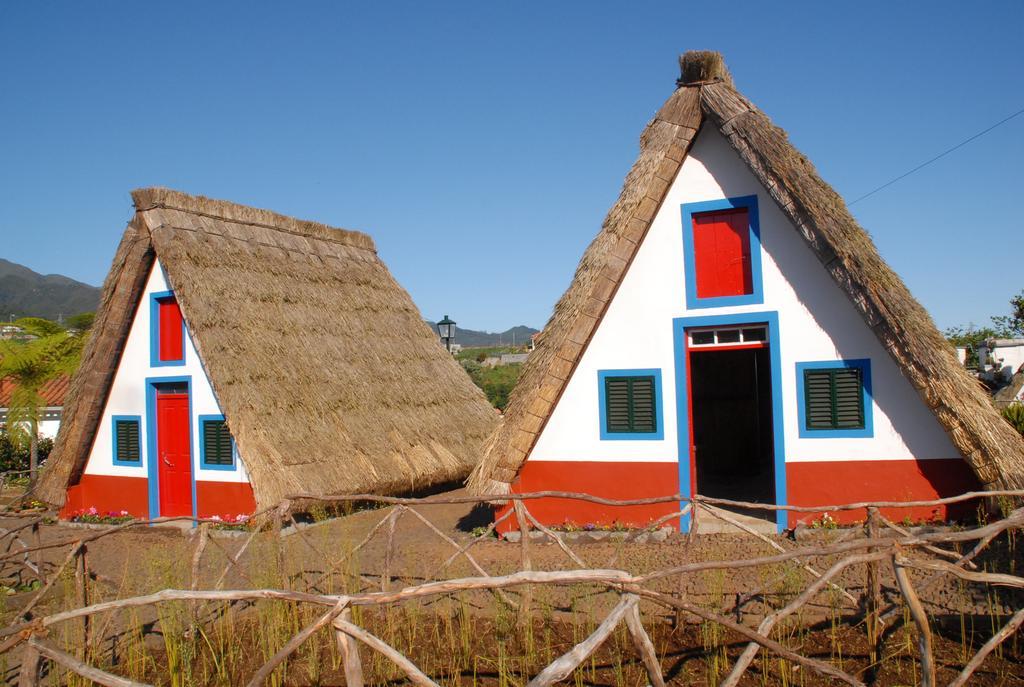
733	332
240	357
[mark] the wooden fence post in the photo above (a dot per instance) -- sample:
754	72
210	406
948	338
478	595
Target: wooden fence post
82	597
389	549
37	541
28	676
524	563
917	612
873	597
349	650
279	548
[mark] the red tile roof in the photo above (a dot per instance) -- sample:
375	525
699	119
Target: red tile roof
53	391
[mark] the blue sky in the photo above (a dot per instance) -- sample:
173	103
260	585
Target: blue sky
482	143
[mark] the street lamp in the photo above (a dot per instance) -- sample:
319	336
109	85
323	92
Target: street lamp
446	329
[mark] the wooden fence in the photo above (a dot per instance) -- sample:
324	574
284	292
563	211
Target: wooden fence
881	546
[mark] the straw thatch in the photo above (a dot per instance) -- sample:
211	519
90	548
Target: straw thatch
707	97
328	377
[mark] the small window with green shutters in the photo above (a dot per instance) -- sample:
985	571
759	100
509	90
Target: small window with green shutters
218	448
630	405
834	398
127	440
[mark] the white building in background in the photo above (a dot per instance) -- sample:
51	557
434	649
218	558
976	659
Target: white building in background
999	359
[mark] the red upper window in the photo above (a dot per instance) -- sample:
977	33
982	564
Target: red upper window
170	332
721	246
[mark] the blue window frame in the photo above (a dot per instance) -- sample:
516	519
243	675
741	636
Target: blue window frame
822	382
756	295
154	331
127	444
212	453
604	378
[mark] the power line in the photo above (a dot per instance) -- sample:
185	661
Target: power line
961	144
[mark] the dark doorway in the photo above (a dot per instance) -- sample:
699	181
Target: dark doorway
731	421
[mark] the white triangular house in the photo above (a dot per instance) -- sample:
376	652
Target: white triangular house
241	357
733	332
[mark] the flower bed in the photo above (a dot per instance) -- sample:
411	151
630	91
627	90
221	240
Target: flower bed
230	522
94	517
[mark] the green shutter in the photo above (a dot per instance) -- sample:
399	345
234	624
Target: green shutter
630	405
216	443
834	398
127	432
849	398
642	403
818	396
617	411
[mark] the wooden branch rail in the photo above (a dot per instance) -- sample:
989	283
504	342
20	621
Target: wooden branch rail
682	498
904	550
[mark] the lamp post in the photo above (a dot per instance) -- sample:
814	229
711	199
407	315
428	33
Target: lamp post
446	329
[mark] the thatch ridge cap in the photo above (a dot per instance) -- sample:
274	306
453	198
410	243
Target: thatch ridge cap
159	197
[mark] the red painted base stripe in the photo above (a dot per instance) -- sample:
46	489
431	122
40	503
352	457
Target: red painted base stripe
610	480
850	481
107	493
808	484
224	498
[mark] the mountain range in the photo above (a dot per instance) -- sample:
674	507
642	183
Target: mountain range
471	338
26	293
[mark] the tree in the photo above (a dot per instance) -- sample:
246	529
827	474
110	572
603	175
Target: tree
49	352
81	322
1012	324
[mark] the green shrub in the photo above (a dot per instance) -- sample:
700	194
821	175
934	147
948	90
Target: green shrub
1014	414
496	382
15	457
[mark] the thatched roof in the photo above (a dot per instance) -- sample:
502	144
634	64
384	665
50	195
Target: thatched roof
329	378
706	97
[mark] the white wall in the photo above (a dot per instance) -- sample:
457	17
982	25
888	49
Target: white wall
816	322
1006	357
128	397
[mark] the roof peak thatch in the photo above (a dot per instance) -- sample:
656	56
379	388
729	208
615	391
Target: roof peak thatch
698	67
159	197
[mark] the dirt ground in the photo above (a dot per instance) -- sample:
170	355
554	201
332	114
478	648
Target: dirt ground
146	560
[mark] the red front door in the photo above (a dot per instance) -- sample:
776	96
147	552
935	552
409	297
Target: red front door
174	454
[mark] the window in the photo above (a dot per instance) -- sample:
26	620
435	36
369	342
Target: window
835	398
722	252
167	330
217	447
734	335
630	404
127	441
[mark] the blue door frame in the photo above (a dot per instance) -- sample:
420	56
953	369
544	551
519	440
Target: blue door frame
679	327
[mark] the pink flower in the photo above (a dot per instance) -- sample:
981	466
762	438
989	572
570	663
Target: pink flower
93	511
